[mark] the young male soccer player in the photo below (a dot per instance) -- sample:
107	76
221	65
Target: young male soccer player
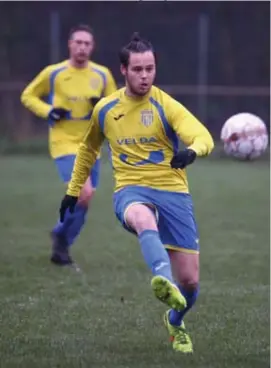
72	88
151	199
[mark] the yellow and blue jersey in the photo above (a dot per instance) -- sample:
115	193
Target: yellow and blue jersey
61	85
143	135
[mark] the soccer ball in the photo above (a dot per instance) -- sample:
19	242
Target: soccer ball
244	136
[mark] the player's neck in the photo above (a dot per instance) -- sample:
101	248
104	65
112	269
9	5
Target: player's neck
133	96
76	65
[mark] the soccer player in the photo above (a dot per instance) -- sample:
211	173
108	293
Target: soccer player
65	94
142	125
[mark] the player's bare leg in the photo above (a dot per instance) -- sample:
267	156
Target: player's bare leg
143	221
86	194
60	246
186	272
185	268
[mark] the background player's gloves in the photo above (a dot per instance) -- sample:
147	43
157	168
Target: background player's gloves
183	158
94	101
57	113
68	203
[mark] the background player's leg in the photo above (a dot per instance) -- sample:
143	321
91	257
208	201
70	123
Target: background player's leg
64	234
74	222
185	268
86	195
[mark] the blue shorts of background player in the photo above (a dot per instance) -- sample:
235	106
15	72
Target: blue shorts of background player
65	165
174	211
64	234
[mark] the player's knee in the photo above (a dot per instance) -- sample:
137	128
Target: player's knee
189	279
186	269
140	218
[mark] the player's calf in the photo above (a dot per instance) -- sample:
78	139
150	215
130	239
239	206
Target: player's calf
186	271
142	220
65	233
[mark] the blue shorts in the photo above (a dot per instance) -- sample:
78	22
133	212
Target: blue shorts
65	165
175	214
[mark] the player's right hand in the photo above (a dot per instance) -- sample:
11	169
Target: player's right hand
183	158
57	113
68	203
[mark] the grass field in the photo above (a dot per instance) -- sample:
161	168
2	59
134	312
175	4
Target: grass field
106	316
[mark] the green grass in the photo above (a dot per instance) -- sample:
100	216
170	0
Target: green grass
106	317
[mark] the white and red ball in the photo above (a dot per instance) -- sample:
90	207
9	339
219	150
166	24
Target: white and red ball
244	136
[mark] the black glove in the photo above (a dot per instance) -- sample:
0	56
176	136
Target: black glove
94	101
58	113
183	158
68	203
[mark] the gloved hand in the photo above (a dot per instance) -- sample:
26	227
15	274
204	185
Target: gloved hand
183	158
67	203
57	113
94	101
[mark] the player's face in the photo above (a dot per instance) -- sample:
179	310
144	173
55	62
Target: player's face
81	46
140	72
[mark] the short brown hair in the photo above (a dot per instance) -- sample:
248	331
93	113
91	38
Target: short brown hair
80	27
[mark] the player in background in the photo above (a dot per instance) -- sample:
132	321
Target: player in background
142	125
65	94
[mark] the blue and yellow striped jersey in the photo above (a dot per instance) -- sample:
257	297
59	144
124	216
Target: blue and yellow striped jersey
61	85
143	134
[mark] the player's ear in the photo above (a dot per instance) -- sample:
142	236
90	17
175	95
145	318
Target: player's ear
92	43
123	70
69	43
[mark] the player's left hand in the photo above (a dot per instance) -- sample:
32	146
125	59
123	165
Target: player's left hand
94	101
68	203
183	158
58	113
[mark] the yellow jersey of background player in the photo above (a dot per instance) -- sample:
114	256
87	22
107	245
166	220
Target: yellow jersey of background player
71	87
65	94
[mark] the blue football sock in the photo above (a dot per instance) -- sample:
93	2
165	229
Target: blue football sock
154	253
72	225
175	317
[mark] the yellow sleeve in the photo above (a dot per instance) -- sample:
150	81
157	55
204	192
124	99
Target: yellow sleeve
86	155
110	86
189	129
32	95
